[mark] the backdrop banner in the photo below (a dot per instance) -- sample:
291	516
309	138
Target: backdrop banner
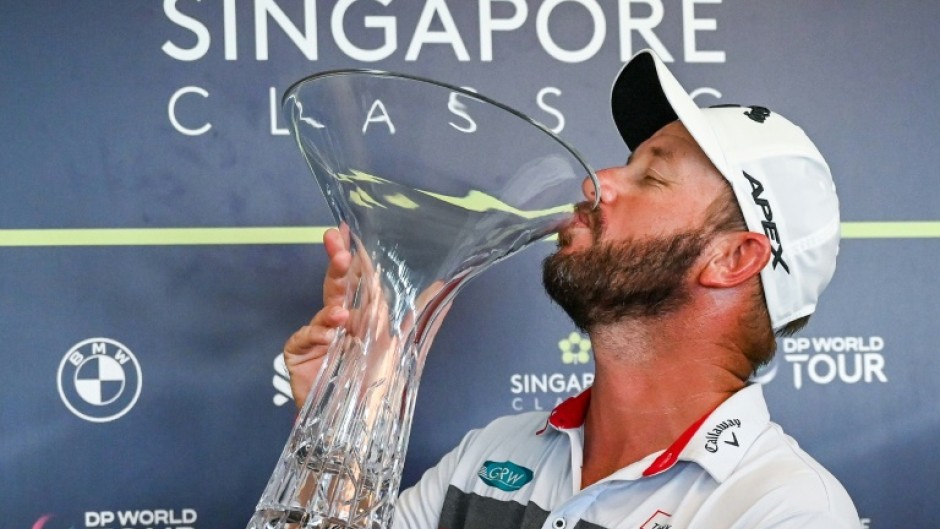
160	235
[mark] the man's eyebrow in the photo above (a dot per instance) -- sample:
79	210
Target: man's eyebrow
660	152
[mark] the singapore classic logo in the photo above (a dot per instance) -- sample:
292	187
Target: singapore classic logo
546	389
99	379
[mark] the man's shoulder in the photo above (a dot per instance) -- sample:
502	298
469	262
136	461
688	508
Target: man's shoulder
518	438
778	472
774	449
520	425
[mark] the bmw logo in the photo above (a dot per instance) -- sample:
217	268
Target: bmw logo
99	379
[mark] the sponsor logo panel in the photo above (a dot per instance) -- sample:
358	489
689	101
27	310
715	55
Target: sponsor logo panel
178	518
545	390
191	108
823	360
505	475
281	382
659	520
714	435
99	379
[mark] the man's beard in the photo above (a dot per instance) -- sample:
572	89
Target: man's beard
612	282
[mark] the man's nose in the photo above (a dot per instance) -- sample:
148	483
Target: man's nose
604	186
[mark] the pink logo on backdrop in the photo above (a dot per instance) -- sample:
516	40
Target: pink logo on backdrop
41	522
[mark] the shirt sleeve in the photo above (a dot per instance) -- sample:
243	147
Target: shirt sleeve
419	507
813	520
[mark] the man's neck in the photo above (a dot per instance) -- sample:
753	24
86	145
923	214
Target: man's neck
652	381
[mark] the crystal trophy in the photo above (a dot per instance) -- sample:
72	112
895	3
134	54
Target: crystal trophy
435	184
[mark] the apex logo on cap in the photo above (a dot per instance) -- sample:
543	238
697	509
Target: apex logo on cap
770	227
758	114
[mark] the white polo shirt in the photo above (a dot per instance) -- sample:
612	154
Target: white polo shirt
734	468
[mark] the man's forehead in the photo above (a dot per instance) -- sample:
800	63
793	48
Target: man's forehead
671	142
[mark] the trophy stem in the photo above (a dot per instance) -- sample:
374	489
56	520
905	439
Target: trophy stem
342	464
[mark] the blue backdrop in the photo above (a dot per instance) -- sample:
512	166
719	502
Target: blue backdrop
159	227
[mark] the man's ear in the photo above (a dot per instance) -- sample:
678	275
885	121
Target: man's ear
734	258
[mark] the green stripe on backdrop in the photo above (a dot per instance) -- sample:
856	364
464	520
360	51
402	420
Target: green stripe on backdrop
890	230
160	236
314	235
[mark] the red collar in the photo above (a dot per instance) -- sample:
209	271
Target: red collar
667	459
572	411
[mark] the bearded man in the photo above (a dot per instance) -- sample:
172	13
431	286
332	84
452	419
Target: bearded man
719	233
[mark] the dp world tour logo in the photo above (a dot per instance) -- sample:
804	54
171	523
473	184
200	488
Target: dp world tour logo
99	379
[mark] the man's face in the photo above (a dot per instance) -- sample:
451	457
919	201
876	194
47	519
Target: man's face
631	256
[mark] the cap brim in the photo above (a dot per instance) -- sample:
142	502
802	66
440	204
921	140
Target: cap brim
646	97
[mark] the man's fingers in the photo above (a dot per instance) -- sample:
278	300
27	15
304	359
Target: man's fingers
304	350
312	340
334	240
335	282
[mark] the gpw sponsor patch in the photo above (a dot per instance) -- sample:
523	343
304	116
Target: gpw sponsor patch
504	475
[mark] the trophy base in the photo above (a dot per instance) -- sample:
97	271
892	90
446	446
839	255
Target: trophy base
296	519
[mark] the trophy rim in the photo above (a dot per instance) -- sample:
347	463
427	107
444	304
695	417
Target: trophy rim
591	173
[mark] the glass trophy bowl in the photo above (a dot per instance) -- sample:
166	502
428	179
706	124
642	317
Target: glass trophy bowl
435	184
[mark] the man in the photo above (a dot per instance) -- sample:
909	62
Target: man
720	231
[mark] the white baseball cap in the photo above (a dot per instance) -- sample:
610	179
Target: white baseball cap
781	181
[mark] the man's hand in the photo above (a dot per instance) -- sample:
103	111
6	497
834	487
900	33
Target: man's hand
304	351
